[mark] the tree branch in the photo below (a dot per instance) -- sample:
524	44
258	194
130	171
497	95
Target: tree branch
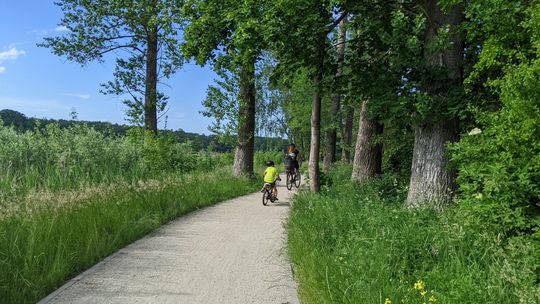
336	23
119	47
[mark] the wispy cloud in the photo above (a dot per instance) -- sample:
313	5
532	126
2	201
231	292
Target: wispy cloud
11	53
39	32
80	96
43	32
61	28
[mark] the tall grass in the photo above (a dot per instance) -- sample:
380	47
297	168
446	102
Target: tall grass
71	196
39	251
57	158
358	244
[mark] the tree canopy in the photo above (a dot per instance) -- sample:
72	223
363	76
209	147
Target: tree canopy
143	37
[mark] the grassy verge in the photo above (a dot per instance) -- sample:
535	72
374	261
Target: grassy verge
40	250
358	244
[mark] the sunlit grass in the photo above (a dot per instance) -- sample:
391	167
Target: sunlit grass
358	244
69	197
41	249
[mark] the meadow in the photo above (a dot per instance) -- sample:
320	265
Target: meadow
72	196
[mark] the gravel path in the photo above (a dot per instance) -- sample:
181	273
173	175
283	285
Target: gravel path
229	253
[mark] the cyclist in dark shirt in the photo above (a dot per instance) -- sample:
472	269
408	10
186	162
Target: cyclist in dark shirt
294	155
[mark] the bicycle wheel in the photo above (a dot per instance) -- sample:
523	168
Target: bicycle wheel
266	197
297	180
289	181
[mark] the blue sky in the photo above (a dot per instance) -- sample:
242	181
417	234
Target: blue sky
40	84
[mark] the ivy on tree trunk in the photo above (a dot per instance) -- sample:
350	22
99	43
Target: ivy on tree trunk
432	182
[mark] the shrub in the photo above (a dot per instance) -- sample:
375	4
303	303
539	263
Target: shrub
499	164
499	179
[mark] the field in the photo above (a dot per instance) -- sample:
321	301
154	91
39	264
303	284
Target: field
70	197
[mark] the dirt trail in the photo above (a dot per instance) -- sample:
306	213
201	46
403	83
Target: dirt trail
229	253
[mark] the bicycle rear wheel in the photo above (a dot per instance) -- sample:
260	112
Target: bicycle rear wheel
266	197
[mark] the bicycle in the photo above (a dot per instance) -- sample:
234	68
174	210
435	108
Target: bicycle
293	178
268	194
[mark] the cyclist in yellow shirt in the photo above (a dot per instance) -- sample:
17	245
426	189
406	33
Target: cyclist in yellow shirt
271	174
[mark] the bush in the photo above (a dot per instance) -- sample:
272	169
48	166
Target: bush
499	180
500	165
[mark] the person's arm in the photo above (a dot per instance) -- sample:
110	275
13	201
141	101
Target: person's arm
301	157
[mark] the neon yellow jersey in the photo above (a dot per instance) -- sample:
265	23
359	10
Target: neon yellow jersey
270	174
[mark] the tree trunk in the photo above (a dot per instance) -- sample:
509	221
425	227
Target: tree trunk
245	146
331	134
432	183
314	178
346	144
368	154
431	180
150	94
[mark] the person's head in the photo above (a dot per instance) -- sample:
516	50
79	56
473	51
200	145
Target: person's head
269	163
292	147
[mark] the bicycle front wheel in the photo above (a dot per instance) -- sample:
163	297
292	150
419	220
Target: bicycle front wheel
297	180
289	181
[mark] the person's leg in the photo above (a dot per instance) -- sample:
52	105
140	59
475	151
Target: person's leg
274	189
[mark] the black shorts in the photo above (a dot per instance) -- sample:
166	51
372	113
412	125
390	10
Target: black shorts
293	165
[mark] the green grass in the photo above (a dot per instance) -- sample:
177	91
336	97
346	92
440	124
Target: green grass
358	244
40	250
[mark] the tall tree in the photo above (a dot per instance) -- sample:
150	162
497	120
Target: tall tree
297	32
377	71
368	153
293	96
347	134
432	182
147	33
331	133
228	34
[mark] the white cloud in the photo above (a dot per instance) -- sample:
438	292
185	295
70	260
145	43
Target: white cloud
39	32
44	32
11	54
61	28
81	96
2	69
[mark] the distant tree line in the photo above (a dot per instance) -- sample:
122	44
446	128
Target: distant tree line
22	123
